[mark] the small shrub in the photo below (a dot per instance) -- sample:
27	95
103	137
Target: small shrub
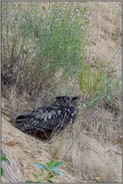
52	170
98	84
39	40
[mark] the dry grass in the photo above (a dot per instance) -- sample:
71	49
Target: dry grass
105	35
12	171
88	146
93	155
85	148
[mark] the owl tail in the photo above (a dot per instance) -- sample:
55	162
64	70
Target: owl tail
22	121
23	118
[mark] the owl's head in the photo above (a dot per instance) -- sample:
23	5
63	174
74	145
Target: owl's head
67	101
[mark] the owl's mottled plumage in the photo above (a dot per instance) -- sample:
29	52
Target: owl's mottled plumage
45	120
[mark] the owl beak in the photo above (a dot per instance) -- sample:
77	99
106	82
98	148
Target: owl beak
69	101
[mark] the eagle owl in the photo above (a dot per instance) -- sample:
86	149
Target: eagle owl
45	120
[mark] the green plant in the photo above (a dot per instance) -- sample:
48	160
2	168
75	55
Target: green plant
98	83
41	40
51	168
43	45
3	159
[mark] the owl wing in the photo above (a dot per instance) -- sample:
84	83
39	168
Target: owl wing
48	117
41	119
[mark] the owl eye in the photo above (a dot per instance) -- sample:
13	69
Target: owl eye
67	100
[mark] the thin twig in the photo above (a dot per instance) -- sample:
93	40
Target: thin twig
74	140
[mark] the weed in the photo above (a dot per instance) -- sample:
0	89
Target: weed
51	168
40	40
97	85
3	159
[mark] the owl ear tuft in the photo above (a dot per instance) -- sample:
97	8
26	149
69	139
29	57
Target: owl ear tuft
58	97
75	98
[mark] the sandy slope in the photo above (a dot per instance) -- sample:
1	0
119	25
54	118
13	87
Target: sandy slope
27	150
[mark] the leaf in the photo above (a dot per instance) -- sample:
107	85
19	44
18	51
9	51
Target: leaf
3	157
35	175
2	172
41	166
49	180
54	169
57	164
51	163
50	176
59	173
